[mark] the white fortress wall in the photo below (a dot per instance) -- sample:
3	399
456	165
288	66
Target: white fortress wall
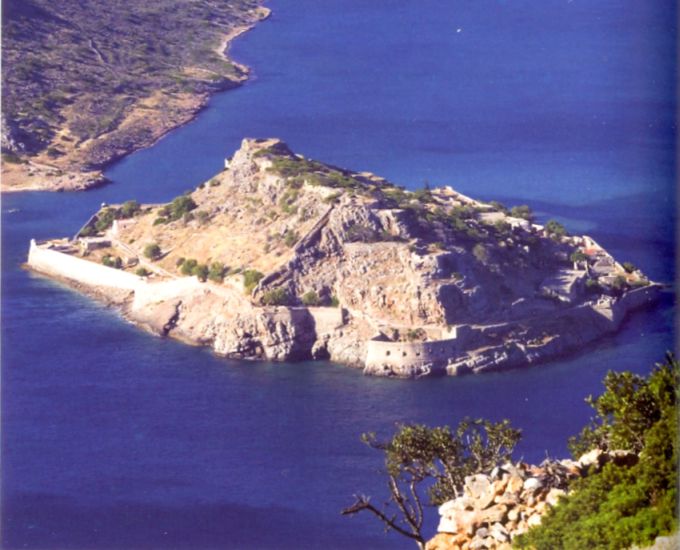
400	354
82	271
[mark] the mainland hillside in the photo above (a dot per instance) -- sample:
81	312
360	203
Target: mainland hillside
87	82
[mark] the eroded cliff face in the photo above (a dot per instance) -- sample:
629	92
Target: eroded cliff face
306	260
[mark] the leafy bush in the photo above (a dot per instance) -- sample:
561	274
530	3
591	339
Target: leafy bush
105	219
629	267
112	261
334	302
141	272
522	211
202	216
160	220
87	231
201	271
555	228
311	298
290	238
177	208
129	209
498	206
217	272
152	251
250	279
622	506
439	458
187	267
276	297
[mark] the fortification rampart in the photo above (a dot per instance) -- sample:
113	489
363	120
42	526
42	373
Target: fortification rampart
59	264
409	357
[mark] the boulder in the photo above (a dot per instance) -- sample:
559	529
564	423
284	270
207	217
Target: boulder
480	490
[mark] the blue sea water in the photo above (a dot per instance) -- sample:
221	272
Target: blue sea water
112	438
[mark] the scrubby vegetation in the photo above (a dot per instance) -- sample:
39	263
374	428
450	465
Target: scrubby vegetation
437	458
179	208
152	251
622	506
250	279
112	261
276	297
105	217
83	65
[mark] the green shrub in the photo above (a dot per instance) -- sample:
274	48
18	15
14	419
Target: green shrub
202	216
629	267
622	506
311	298
250	279
87	231
141	272
217	272
177	208
112	261
12	158
129	209
201	271
187	267
105	219
334	301
522	211
499	207
160	220
275	297
290	238
152	251
555	228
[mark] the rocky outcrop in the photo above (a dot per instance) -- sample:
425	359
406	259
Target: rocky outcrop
415	283
495	508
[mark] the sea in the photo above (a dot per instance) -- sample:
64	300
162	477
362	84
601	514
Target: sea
113	438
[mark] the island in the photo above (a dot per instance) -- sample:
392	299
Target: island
283	258
85	83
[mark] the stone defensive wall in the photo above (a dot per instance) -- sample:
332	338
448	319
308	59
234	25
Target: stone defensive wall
59	264
409	358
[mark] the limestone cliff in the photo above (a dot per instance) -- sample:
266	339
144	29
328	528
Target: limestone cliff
306	260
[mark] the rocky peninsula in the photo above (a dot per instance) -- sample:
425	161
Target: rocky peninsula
87	83
283	258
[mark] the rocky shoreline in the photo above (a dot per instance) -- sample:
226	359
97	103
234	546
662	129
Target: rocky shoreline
80	165
282	258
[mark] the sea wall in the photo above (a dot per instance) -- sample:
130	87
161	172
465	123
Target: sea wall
409	358
65	266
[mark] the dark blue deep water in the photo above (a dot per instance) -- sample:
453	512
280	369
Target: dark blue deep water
112	438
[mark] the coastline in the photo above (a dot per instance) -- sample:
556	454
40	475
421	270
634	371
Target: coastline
82	168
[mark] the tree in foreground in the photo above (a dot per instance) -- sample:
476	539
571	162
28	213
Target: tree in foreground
439	458
622	505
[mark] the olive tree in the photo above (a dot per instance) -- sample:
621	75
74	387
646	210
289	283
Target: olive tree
438	457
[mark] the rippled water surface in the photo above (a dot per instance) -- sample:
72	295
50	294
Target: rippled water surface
113	438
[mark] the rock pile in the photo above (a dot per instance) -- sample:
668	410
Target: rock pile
495	508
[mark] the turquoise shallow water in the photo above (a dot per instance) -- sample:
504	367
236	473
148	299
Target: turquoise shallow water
115	439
